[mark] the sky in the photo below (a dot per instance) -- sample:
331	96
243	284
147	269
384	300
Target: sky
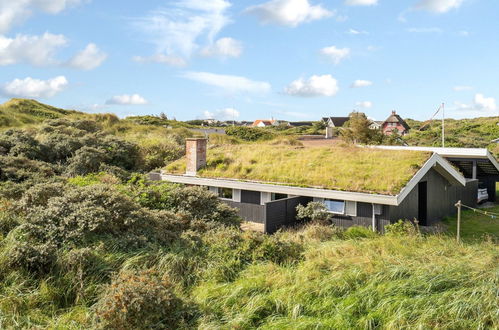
244	60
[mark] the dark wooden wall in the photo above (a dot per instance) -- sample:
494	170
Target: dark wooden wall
442	196
363	218
250	197
282	212
249	212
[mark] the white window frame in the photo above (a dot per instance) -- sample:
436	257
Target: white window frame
226	199
335	200
349	207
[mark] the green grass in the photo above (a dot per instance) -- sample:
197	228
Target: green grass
384	282
476	226
338	168
21	112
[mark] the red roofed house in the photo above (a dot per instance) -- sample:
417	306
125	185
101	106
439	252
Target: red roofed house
263	123
395	122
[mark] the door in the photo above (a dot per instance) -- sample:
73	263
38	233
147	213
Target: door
423	203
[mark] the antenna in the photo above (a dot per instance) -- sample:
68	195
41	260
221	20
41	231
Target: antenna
443	125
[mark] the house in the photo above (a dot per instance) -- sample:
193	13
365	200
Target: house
366	186
301	123
495	141
280	123
263	123
395	122
376	124
335	121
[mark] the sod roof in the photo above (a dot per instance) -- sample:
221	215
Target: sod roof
336	168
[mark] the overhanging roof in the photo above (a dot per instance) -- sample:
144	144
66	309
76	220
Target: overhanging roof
458	154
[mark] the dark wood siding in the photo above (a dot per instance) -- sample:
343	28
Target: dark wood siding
363	218
249	212
441	198
250	197
282	212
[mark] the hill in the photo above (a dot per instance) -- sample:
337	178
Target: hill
466	133
20	112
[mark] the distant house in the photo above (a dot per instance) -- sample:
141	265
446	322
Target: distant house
335	121
395	122
376	124
300	123
420	183
280	123
263	123
495	141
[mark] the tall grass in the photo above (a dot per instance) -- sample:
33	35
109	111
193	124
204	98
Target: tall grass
341	168
385	282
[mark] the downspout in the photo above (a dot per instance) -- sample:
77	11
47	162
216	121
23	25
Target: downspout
374	219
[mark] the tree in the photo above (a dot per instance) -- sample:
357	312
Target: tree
358	131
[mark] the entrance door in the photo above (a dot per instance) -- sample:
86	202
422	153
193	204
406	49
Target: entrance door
423	203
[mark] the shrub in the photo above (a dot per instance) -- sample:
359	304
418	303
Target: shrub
401	228
359	232
249	133
315	211
140	300
86	160
18	169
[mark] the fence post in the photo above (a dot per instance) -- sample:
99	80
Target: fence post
458	234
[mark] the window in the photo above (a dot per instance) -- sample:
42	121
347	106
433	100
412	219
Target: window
276	196
335	206
225	193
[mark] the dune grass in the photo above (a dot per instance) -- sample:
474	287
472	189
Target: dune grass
337	168
384	282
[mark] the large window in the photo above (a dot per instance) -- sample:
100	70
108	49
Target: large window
225	193
335	206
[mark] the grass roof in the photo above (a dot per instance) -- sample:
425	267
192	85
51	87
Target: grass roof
336	168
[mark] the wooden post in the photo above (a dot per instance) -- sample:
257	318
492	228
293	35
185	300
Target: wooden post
458	234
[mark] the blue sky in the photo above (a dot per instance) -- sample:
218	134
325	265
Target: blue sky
287	59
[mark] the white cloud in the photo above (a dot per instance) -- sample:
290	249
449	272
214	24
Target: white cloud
481	106
425	30
356	32
163	59
34	88
464	33
288	12
127	99
222	114
178	30
324	85
361	83
361	2
224	47
14	12
364	104
89	58
35	50
438	6
335	54
462	88
229	83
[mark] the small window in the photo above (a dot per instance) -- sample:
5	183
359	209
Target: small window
335	206
276	196
225	193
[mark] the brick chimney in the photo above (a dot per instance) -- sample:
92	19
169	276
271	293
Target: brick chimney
195	150
394	112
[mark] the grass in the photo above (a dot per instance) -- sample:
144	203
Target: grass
338	168
384	282
476	227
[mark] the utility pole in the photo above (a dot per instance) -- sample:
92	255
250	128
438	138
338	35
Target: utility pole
443	125
458	234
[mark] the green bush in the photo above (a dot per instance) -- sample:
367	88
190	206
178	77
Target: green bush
359	232
401	228
314	211
249	133
140	300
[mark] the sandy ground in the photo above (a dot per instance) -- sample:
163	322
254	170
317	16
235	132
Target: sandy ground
246	225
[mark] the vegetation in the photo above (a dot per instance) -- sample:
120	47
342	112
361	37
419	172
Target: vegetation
340	168
87	243
469	133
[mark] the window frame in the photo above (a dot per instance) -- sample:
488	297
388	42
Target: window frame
337	201
221	196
